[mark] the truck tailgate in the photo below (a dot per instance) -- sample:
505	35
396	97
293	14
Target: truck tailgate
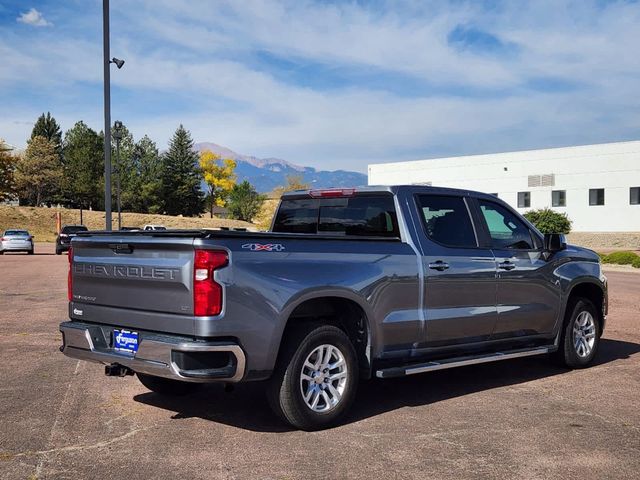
152	274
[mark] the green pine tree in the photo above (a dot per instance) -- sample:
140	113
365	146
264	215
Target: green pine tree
181	177
147	183
83	167
47	127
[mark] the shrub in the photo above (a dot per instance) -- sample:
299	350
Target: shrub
621	258
549	221
244	202
636	263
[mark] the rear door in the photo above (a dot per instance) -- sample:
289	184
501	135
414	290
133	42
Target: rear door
528	300
364	215
460	286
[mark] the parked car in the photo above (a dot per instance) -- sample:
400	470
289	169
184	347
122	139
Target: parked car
63	241
154	228
349	284
15	240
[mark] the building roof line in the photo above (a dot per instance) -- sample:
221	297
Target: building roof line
497	157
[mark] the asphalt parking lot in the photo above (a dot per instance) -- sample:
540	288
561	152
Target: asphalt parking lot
61	419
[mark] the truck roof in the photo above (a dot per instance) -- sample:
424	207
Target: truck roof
381	189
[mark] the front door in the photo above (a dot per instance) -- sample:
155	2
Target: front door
528	299
460	286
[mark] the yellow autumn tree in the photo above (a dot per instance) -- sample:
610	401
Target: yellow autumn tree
220	177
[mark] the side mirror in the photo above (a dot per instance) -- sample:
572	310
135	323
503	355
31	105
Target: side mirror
554	242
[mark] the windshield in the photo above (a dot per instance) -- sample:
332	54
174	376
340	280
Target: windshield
74	229
13	233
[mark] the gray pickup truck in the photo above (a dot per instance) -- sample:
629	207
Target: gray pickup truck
349	284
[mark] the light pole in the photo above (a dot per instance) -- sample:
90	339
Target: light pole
117	134
107	111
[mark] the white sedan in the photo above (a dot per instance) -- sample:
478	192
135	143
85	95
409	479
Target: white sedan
16	241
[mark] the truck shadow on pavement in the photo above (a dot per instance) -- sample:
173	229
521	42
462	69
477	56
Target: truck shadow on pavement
246	406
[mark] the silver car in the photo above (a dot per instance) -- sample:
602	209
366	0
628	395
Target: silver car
16	241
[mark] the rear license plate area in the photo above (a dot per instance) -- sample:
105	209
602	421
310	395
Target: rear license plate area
125	341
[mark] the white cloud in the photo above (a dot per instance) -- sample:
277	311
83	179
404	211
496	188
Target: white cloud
33	17
199	60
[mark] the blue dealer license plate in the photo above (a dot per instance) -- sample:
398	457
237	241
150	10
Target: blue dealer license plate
125	341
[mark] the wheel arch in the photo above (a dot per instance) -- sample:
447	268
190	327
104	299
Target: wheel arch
342	308
592	291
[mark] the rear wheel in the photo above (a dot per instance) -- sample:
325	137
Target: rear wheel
58	251
316	377
30	252
167	386
581	336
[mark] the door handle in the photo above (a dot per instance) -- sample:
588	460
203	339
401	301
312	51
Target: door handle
439	265
507	265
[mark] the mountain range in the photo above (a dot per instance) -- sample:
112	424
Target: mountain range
265	174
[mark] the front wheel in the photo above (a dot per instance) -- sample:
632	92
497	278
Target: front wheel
581	336
316	377
167	386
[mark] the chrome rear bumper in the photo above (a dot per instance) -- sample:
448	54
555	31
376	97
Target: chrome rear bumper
155	354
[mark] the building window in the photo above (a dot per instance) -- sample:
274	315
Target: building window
524	199
634	195
559	198
596	196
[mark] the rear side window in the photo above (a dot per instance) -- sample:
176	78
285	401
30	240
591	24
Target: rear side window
366	215
447	220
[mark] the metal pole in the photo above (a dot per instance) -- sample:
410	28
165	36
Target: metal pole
119	171
107	115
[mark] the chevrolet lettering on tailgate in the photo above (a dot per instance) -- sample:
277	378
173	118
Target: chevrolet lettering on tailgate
126	271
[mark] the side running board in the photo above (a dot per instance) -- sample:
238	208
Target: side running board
414	368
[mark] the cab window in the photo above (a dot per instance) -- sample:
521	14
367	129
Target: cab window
506	230
447	221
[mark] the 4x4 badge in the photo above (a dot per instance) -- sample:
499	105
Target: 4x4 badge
264	247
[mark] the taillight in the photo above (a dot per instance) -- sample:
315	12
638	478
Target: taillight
69	277
3	239
333	193
207	294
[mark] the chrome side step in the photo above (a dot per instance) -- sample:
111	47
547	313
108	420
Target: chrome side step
412	369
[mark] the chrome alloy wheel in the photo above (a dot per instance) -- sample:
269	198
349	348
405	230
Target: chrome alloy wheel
323	378
584	334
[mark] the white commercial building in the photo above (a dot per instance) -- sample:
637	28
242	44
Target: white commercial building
598	186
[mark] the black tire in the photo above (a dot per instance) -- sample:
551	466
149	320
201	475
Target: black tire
167	386
570	354
284	390
58	251
30	252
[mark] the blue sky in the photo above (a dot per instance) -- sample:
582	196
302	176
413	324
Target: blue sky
332	84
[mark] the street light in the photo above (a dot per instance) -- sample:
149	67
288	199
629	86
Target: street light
119	63
117	134
107	110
